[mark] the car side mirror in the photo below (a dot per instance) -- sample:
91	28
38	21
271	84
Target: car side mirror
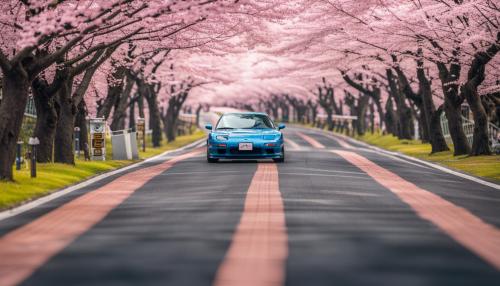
208	127
281	126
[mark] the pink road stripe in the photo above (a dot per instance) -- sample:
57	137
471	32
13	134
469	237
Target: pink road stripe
259	248
342	142
467	229
311	141
25	249
293	144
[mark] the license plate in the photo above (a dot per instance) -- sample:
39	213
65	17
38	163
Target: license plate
245	147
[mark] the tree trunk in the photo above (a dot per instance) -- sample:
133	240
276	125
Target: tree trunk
424	126
81	122
480	141
476	76
170	125
274	111
314	115
361	109
405	120
454	117
423	115
140	106
65	125
285	112
390	117
120	111
104	108
131	115
46	121
67	103
329	119
372	118
15	97
436	133
154	120
452	105
198	112
432	120
381	114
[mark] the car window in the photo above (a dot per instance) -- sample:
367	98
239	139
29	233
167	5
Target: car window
245	121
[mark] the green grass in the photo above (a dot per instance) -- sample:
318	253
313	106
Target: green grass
482	166
51	177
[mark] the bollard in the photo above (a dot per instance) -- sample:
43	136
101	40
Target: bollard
19	155
33	142
77	141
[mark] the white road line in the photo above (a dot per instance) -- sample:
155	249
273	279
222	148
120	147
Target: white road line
324	175
358	194
207	172
329	171
395	158
57	194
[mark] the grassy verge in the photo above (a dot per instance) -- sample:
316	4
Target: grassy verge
482	166
51	177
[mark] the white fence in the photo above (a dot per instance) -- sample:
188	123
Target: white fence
468	126
187	118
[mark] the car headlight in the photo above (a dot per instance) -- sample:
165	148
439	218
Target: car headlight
221	137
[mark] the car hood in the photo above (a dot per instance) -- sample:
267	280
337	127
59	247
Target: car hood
248	133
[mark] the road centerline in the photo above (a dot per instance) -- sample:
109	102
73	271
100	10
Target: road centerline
259	246
460	224
27	248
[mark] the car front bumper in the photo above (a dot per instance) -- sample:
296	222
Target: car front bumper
230	150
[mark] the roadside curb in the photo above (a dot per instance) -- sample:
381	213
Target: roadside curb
413	159
69	189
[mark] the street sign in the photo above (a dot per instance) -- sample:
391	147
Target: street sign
98	139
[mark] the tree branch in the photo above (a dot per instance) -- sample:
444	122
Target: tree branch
102	46
85	65
4	62
354	84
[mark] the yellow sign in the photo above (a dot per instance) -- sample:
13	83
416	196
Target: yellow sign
97	143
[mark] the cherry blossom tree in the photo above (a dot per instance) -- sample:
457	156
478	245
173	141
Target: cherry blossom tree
387	61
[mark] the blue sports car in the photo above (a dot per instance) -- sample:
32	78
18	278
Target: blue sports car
246	135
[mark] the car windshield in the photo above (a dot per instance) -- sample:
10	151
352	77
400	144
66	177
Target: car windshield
245	121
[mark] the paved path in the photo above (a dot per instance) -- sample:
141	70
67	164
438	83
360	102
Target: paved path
335	213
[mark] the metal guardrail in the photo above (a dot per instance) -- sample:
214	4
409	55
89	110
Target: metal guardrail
337	117
187	118
468	126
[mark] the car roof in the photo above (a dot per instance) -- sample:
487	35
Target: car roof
248	112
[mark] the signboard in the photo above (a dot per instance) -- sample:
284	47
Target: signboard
97	139
141	133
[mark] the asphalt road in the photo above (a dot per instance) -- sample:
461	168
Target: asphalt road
336	213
